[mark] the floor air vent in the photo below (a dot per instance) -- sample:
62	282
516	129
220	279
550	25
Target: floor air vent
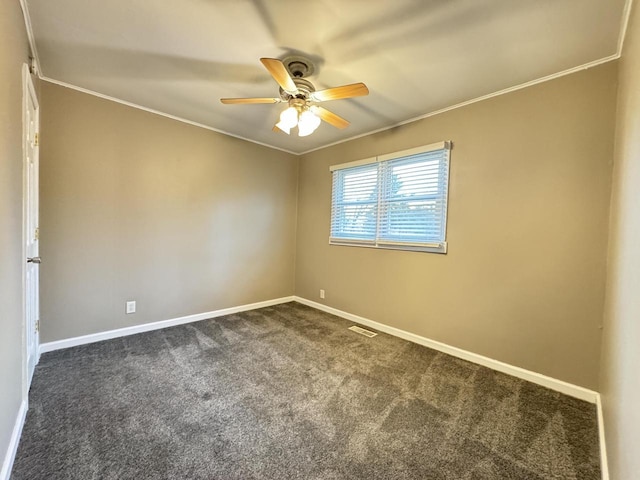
362	331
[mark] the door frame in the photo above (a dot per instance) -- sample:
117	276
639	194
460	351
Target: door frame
28	91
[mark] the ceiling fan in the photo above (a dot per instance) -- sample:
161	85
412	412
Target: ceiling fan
301	96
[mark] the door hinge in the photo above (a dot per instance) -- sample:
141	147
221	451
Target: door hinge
36	235
37	325
36	139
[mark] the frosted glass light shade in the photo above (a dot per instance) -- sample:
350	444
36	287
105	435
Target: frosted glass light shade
308	123
284	128
289	118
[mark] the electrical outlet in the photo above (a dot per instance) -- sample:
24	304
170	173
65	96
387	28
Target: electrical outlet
321	293
131	307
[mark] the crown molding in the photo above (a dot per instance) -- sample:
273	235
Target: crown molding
30	36
624	24
475	100
158	112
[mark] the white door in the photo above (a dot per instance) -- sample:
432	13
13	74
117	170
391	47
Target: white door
31	231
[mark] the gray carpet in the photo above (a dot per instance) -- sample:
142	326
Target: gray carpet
287	392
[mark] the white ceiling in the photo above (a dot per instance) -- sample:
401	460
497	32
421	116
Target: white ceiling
416	56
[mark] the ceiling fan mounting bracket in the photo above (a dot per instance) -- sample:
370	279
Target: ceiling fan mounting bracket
298	66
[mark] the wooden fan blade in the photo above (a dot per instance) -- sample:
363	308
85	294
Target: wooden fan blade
234	101
330	117
345	91
280	74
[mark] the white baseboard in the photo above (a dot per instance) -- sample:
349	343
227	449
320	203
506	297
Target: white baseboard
146	327
12	449
537	378
604	464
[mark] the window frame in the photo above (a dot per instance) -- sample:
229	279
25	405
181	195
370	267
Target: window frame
382	161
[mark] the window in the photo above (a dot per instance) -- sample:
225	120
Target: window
396	201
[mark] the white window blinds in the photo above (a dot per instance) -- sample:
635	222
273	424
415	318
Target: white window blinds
393	201
355	203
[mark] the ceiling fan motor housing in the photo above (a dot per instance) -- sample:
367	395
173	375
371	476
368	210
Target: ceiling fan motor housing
305	89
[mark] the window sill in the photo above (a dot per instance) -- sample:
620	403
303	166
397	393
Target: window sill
428	248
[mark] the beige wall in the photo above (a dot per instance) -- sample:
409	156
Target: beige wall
135	206
14	52
523	281
620	370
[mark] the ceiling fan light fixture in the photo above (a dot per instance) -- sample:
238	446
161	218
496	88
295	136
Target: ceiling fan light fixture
288	119
308	123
